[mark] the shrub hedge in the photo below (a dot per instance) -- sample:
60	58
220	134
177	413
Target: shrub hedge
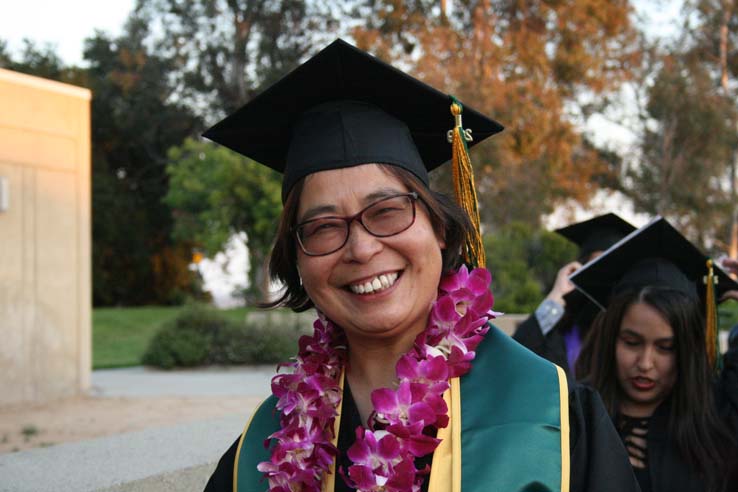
201	336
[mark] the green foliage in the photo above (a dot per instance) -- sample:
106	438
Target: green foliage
200	336
186	340
728	314
246	343
687	134
120	336
135	261
686	149
216	193
134	122
524	262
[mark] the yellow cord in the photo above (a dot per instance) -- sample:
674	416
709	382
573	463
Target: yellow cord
465	191
711	317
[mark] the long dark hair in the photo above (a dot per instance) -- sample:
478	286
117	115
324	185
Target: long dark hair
449	222
694	426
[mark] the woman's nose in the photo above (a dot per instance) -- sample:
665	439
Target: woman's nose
360	245
645	360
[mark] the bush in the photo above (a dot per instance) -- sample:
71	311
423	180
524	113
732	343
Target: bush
524	262
248	343
200	336
187	340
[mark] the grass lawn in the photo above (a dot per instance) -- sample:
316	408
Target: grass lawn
120	335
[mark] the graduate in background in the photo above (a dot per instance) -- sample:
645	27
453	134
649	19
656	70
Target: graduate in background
556	330
653	357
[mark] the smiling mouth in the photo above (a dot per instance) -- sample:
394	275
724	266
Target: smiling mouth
376	284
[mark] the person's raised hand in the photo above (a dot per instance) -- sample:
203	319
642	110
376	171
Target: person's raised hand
563	286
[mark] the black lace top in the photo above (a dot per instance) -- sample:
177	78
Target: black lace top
634	433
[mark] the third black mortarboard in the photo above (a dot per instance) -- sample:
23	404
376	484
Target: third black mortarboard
341	108
597	233
656	254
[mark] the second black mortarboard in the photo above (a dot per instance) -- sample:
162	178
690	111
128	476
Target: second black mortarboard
341	108
597	233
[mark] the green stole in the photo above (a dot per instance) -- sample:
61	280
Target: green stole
512	434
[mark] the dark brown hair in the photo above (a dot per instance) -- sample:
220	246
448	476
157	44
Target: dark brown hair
449	222
694	426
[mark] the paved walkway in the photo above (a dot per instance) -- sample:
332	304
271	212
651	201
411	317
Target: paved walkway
178	457
143	381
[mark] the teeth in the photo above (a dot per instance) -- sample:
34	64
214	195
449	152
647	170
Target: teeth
376	284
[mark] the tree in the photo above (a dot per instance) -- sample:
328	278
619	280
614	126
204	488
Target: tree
41	61
529	64
135	119
687	135
684	149
221	53
225	50
134	260
524	262
716	43
216	193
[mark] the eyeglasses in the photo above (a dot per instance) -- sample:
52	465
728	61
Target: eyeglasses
383	218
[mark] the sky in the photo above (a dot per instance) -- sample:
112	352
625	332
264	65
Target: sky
64	24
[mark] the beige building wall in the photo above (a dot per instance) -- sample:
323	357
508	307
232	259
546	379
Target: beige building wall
45	236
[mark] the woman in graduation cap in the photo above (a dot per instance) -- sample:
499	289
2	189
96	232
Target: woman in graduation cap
404	385
560	323
654	359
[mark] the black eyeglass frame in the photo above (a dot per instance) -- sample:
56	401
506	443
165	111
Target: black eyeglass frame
413	196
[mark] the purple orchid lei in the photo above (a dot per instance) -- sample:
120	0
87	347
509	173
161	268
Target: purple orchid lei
383	455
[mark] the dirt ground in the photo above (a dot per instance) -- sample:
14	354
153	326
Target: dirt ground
86	417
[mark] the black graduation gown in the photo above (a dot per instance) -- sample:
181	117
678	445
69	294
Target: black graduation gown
667	471
598	459
578	310
550	346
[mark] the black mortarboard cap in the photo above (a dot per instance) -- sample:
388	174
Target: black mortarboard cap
341	108
656	254
597	233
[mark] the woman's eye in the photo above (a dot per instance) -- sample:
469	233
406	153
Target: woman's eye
384	211
666	348
320	228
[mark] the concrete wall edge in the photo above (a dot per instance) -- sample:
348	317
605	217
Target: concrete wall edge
44	84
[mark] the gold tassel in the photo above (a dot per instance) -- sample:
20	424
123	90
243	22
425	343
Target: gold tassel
464	189
711	338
